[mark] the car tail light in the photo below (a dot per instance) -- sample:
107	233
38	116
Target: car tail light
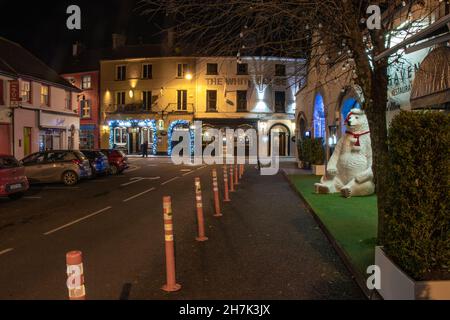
77	162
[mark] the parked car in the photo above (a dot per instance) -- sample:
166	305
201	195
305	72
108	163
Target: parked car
13	182
99	162
64	166
118	161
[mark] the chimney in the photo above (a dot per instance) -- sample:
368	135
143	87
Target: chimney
118	40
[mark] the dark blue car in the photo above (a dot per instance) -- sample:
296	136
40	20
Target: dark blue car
98	161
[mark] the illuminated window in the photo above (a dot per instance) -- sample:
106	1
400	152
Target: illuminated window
120	136
85	108
26	91
86	82
45	101
319	117
182	69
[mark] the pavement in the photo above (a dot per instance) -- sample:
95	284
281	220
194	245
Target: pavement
266	245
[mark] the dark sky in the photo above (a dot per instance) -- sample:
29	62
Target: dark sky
40	26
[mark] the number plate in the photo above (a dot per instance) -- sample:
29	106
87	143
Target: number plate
17	186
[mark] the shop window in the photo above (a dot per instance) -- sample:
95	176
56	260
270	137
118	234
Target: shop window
86	82
241	97
45	97
319	117
26	91
120	136
86	139
280	70
147	71
211	100
242	69
212	69
182	100
85	107
121	72
280	101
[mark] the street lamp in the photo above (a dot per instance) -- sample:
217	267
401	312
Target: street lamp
188	76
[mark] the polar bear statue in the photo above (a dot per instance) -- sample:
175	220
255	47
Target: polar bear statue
349	170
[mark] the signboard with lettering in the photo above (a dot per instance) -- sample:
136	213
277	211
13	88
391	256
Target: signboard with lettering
14	93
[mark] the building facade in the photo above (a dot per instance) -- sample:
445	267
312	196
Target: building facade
88	106
146	99
419	80
39	107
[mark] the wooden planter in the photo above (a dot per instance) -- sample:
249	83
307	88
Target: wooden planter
319	170
397	285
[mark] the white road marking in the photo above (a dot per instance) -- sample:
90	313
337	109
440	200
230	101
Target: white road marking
76	221
140	194
6	251
168	181
129	183
132	170
202	167
185	170
187	173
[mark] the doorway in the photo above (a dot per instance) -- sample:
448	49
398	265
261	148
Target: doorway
26	141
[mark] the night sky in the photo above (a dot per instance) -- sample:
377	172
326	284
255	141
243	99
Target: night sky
40	26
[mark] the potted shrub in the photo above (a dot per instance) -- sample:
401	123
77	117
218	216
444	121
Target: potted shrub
317	157
414	256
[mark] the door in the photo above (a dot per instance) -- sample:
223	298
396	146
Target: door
26	141
5	141
282	146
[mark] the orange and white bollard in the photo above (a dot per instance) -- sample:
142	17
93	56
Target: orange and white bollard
231	179
236	174
225	182
216	194
200	218
75	275
171	283
241	171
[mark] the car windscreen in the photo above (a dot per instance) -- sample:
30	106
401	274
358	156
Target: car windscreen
8	162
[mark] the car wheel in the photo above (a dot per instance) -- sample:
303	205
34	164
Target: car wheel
16	196
69	178
114	170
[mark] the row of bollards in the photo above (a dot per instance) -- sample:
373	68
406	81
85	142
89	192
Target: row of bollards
74	259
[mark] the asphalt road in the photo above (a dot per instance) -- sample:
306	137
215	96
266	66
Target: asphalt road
266	246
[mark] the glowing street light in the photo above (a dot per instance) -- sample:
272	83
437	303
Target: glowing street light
188	76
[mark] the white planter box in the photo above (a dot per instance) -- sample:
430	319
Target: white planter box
396	285
318	170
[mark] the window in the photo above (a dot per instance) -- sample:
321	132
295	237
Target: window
147	71
34	159
2	101
68	100
26	91
85	109
120	98
242	69
241	100
280	70
8	162
147	99
280	101
86	82
182	100
121	73
211	69
211	100
182	69
45	101
120	136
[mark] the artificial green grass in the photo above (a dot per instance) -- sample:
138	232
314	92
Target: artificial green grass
352	222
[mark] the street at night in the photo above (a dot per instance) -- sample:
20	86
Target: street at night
250	253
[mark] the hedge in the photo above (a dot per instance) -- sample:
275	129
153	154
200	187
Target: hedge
311	151
416	234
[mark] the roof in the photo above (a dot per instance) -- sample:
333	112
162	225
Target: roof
17	61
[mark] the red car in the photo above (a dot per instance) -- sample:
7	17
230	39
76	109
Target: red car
13	182
118	161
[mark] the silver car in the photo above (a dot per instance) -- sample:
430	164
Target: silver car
64	166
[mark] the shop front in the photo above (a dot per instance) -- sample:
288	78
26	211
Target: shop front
58	131
5	131
129	135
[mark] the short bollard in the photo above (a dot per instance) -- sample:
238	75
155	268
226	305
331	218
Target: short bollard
236	174
231	179
225	182
218	213
75	275
200	218
241	171
171	283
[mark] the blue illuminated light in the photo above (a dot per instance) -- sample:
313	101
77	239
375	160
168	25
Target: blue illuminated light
319	117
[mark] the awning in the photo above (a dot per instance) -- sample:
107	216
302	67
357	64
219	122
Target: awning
431	86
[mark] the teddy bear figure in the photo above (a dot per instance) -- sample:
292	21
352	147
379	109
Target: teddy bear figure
349	170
